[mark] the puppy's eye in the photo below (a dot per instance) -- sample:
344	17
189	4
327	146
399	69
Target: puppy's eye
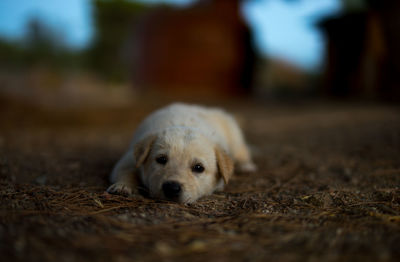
162	160
198	168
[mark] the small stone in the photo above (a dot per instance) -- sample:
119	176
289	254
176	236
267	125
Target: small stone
197	245
163	248
41	180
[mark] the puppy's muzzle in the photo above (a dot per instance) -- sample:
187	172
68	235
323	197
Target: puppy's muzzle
172	190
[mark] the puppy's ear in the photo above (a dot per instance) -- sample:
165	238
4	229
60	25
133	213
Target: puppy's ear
142	149
224	163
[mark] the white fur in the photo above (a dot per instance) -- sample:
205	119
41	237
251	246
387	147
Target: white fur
186	134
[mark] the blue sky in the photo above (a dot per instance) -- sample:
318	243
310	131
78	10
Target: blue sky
282	29
71	17
287	30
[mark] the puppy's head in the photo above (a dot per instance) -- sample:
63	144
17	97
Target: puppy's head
181	164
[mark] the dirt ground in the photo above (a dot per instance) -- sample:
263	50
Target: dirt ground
327	189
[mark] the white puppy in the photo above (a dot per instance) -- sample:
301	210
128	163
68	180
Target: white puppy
181	153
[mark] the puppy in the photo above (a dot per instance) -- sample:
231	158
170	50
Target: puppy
181	153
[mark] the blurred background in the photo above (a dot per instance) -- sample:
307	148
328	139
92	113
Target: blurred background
116	52
315	85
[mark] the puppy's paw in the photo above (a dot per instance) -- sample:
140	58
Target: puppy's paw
120	189
248	167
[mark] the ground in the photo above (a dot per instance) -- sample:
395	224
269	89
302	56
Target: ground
327	188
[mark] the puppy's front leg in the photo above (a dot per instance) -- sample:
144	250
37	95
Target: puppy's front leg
123	176
124	187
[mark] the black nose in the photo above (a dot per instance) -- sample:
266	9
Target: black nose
171	189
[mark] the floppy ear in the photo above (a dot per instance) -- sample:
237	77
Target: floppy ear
142	149
224	164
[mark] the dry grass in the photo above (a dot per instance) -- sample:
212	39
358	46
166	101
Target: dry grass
327	189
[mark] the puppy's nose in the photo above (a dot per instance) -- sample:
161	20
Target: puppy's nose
171	189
